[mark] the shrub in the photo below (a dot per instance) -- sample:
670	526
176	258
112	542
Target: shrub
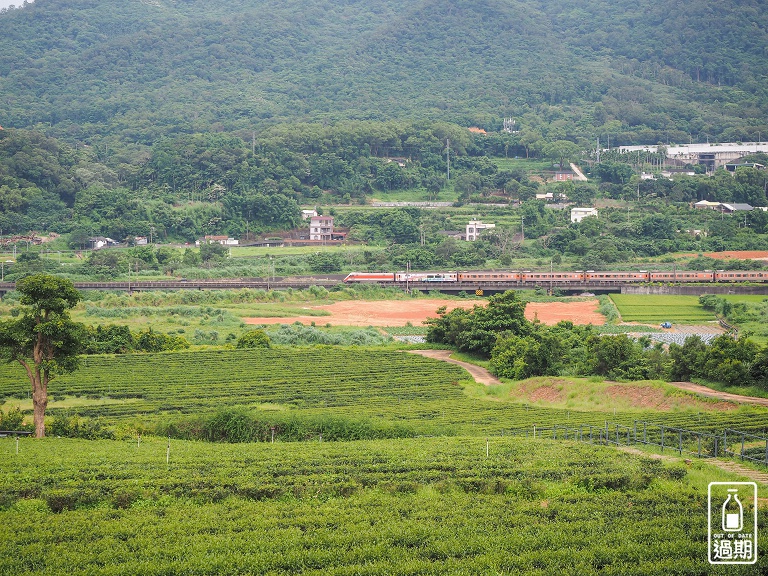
254	339
12	420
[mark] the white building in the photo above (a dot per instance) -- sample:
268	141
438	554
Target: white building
308	214
474	228
98	242
223	240
321	228
578	214
712	156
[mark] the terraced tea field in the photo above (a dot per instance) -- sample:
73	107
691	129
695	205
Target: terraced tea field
423	394
429	506
477	497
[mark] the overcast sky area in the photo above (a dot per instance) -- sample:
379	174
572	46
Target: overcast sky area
6	3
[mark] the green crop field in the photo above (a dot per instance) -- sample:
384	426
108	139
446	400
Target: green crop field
414	506
746	298
655	309
474	497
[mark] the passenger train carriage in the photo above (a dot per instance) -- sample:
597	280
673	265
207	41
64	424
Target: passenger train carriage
525	278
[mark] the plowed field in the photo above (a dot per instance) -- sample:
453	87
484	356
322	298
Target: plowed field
400	312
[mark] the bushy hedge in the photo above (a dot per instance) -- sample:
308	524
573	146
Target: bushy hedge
244	426
298	335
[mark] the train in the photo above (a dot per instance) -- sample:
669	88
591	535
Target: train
590	277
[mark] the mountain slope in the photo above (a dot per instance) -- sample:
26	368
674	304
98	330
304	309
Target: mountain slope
136	69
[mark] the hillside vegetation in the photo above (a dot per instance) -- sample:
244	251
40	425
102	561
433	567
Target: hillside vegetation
643	71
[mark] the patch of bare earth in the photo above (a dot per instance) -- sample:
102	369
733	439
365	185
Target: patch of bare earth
371	313
545	394
480	374
584	312
401	312
639	396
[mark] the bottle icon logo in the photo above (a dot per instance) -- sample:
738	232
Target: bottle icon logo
732	534
733	512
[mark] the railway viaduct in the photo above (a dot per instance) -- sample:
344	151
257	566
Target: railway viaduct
479	288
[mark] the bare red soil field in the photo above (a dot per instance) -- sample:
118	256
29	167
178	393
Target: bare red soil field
400	312
577	312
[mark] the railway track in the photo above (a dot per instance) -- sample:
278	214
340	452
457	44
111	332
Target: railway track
480	287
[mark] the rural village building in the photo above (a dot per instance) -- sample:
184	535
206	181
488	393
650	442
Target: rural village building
725	207
321	228
223	240
578	214
475	227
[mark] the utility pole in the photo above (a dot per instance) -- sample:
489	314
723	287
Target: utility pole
551	279
407	276
448	155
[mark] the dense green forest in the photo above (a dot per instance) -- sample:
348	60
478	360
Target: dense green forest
135	71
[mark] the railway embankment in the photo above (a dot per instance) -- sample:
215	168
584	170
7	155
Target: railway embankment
695	289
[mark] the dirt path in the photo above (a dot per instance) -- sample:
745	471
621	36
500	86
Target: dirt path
727	465
480	374
704	391
579	174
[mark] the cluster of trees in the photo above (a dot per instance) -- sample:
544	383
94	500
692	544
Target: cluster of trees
114	339
110	263
187	186
518	348
730	361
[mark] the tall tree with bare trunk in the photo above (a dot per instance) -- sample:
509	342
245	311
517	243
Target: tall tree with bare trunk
44	340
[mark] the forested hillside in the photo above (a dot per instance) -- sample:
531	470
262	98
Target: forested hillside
174	119
640	71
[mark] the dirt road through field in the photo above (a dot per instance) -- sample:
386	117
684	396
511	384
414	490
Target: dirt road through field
480	374
704	391
727	465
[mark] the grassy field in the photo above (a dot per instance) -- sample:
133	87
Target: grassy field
260	252
534	166
594	394
187	313
746	298
447	194
750	315
654	309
